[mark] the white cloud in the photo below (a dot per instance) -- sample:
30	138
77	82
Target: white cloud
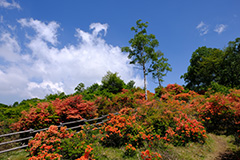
98	27
220	28
9	48
47	32
8	5
40	90
47	69
202	28
200	25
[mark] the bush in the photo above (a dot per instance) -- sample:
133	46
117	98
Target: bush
48	113
147	155
186	130
218	114
46	143
121	129
130	151
174	89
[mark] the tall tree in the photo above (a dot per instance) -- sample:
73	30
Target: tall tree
159	67
142	47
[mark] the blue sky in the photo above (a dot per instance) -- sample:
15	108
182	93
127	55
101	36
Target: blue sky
50	46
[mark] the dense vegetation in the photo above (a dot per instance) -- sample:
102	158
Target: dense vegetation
171	117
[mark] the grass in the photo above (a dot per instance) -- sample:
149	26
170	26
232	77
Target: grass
215	148
14	155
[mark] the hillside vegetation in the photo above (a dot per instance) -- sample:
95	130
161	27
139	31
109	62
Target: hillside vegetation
173	123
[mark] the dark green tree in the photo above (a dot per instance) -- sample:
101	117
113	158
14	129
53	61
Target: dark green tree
93	88
130	84
204	68
230	68
80	88
210	66
142	47
112	83
159	67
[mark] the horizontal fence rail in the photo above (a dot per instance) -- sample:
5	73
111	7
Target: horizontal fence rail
32	132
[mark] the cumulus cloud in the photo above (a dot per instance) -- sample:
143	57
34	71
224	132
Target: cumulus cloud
220	28
40	89
202	28
9	48
8	5
47	68
44	31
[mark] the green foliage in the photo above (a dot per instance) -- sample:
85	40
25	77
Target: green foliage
11	114
142	48
230	68
74	147
112	83
93	88
159	67
215	87
203	69
209	65
3	105
80	88
51	97
130	85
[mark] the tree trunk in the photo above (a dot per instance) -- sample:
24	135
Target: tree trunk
145	81
159	82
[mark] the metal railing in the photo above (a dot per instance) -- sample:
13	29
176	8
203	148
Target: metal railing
74	125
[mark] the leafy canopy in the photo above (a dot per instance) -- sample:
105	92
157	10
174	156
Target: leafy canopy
159	67
211	65
112	83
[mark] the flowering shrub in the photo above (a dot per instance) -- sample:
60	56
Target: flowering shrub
41	116
169	122
147	155
187	130
219	113
183	96
46	155
74	108
120	130
46	114
74	147
125	99
86	155
174	89
44	144
56	144
130	150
